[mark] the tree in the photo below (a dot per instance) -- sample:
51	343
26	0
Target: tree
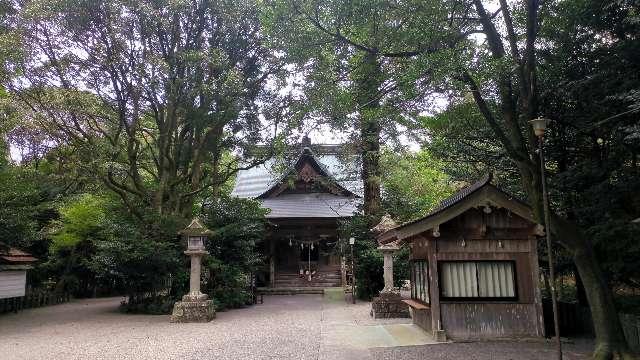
589	81
151	96
502	79
239	227
357	79
413	184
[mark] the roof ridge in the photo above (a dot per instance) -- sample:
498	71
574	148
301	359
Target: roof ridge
306	151
457	196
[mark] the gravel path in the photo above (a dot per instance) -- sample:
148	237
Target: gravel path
284	327
493	350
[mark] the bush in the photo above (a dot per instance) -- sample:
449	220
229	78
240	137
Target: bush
238	227
368	260
154	306
145	260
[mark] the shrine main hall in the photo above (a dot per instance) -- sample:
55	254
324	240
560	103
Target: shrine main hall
308	196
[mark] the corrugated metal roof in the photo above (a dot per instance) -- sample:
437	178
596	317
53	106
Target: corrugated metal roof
322	205
255	181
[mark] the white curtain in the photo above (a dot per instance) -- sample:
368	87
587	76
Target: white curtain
420	287
496	279
459	279
485	279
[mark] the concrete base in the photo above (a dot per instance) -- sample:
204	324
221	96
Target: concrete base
193	311
439	336
389	305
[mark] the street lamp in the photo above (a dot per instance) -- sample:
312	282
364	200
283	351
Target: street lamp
352	242
539	126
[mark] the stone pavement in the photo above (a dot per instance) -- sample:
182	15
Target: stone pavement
284	327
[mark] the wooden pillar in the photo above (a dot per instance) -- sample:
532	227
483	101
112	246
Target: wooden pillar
535	275
272	262
434	287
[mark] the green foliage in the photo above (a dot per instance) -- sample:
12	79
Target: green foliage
590	73
160	132
144	259
239	227
413	184
368	260
80	219
23	202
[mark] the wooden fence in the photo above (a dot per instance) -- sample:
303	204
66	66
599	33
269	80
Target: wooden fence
576	320
33	298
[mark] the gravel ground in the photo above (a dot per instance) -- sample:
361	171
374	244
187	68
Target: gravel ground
493	350
284	327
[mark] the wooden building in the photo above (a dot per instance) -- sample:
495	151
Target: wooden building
14	264
318	187
474	266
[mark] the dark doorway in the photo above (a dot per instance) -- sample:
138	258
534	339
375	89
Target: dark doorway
304	252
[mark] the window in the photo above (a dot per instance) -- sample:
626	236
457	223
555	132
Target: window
420	281
478	279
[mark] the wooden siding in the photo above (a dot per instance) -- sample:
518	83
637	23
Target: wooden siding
475	235
483	246
12	283
489	320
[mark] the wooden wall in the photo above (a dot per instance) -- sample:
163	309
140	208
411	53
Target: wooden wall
465	320
12	283
476	235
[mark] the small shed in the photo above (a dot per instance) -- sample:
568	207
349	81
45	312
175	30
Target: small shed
474	266
14	264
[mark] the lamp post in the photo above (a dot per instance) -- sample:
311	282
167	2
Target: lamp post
352	242
539	126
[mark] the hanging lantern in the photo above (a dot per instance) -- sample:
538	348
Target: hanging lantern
290	243
301	246
311	246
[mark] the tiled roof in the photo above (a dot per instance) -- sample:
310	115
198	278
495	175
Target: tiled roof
321	205
444	204
14	256
459	196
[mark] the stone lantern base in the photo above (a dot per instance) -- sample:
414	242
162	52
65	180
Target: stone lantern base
193	309
389	305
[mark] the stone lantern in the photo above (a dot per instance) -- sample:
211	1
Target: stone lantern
389	304
195	306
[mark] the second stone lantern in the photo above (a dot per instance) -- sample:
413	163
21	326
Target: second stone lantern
195	306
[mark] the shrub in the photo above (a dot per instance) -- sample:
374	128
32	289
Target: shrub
238	227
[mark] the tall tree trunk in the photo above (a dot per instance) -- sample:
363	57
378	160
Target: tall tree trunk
610	340
368	79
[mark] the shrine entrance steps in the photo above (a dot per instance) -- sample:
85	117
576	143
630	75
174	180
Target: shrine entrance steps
290	290
321	279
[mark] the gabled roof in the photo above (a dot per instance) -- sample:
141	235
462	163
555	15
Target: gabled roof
480	193
344	170
13	256
195	228
305	157
336	195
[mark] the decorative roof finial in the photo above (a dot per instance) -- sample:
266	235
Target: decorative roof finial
306	141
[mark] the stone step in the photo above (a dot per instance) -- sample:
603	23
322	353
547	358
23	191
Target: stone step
290	290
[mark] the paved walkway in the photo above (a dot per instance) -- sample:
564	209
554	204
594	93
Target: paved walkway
284	327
